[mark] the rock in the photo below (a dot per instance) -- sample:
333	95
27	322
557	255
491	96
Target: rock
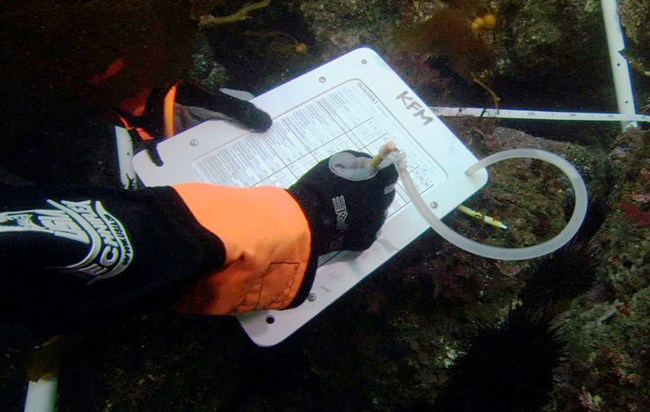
551	35
635	15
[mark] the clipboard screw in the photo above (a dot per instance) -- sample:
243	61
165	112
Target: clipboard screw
433	205
322	79
311	297
194	142
364	61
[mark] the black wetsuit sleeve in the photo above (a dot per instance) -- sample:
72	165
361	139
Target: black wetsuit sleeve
71	255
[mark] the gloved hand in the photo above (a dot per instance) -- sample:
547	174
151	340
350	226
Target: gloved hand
345	201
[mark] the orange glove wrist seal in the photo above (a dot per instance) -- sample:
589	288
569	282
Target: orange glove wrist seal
267	241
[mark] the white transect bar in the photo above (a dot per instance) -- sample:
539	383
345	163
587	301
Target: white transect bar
125	158
41	395
620	69
537	114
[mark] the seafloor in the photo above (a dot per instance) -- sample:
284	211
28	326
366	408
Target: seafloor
390	344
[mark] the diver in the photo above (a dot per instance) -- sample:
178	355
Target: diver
73	255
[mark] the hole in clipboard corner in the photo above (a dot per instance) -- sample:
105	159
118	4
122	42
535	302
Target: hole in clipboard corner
322	79
364	61
270	319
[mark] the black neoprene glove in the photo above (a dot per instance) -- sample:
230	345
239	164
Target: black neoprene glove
345	201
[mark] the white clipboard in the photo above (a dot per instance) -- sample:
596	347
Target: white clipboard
354	102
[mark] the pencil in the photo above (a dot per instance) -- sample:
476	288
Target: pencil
480	216
390	146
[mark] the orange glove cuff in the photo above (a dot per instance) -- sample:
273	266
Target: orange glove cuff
267	241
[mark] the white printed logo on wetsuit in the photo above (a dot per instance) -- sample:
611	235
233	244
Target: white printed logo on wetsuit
109	248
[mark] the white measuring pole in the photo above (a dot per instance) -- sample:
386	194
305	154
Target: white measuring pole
125	158
41	395
538	114
620	69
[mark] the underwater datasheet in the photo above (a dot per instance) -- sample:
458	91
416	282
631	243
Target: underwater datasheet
355	102
347	117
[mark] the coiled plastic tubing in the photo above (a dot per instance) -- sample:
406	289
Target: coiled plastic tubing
494	252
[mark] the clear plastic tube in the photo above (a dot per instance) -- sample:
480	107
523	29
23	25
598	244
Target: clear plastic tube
493	252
